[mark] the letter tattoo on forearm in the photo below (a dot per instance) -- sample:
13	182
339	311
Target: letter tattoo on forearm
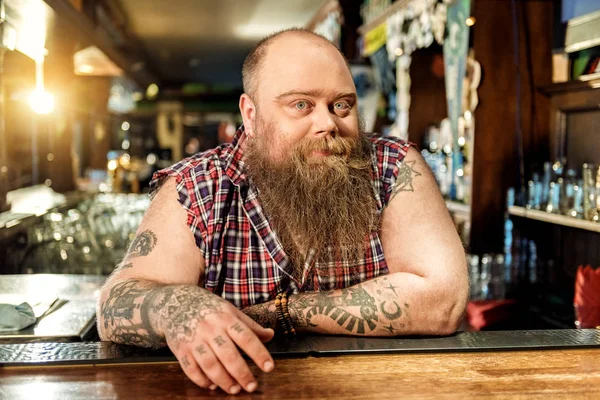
354	309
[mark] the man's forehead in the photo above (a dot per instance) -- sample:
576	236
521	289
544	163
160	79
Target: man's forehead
304	65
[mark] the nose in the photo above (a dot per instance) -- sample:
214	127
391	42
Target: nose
324	122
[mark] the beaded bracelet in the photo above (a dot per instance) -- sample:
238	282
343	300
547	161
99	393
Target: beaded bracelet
283	314
279	314
286	314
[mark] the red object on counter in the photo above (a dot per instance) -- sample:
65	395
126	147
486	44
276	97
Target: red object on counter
587	297
482	313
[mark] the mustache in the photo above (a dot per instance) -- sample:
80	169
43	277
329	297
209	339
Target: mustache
349	151
335	146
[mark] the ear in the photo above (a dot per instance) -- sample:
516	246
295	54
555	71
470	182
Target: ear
248	111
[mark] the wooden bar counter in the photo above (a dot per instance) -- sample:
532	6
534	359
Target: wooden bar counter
527	364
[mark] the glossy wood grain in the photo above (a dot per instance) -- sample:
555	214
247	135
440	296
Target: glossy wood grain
551	374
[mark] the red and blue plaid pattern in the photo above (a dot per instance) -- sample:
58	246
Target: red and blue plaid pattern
244	260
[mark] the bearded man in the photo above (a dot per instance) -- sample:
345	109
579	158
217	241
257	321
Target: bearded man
303	224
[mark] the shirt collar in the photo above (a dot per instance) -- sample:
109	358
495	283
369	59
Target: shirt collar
234	161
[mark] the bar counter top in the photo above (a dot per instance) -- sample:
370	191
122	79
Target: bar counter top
551	364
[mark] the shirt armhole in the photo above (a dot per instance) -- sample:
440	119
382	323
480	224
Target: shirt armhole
190	205
394	161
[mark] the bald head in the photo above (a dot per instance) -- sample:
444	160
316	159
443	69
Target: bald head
288	39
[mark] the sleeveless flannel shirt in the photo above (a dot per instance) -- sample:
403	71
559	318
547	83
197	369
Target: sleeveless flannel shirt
244	260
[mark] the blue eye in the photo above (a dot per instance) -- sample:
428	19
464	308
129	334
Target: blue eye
302	105
341	105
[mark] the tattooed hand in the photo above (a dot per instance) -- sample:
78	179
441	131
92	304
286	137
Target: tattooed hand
203	330
199	327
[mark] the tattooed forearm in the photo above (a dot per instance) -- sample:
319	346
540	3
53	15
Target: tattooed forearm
122	266
263	314
372	308
142	245
404	180
124	316
144	314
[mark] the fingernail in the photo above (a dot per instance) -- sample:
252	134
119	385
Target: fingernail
268	366
251	387
213	387
235	389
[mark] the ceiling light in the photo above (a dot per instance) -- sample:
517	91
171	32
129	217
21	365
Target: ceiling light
470	21
41	102
86	69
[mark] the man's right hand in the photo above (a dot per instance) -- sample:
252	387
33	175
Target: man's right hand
202	330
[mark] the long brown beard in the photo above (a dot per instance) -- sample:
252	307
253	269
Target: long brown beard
325	205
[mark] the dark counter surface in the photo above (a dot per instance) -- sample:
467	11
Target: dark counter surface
49	354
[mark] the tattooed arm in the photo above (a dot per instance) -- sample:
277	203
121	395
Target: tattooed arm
152	299
377	307
427	288
373	308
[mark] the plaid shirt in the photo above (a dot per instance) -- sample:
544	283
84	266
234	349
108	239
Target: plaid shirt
244	260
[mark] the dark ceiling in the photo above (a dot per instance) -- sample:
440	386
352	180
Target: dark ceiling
206	41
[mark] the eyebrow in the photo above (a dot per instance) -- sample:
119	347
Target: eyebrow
315	93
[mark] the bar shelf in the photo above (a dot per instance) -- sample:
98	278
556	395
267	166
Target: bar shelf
461	209
555	219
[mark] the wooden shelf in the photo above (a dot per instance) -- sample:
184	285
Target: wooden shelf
554	218
460	209
571	86
393	8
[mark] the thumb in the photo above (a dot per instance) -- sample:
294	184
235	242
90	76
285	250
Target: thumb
264	334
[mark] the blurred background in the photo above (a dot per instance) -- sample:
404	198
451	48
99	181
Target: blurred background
500	96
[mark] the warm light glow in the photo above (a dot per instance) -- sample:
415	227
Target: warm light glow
137	96
125	160
461	141
31	32
152	91
151	159
41	102
470	21
125	144
125	126
399	51
86	69
112	165
468	115
230	130
56	217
